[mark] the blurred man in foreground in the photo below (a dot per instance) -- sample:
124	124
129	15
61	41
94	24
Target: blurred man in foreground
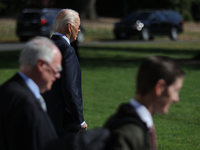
24	123
158	83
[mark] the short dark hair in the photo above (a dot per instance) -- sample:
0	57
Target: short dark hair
154	68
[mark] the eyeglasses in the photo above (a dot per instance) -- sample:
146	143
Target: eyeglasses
79	27
58	68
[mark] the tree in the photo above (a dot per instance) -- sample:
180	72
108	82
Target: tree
89	10
2	6
86	8
196	10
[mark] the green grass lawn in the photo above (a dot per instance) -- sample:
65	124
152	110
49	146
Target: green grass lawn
108	79
109	73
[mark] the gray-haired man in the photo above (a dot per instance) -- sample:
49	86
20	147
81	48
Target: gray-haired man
24	123
64	101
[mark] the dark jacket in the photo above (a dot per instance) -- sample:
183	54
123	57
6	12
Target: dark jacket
23	123
128	136
66	94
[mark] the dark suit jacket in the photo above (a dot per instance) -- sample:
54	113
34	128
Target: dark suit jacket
23	123
128	136
66	95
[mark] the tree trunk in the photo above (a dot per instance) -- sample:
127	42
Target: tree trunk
88	10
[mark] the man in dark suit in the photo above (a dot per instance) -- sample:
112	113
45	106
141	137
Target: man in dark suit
64	100
158	83
24	122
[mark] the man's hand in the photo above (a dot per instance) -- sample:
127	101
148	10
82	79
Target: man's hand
84	126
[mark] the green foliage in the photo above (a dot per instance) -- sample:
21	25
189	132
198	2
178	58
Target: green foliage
2	6
196	10
121	8
183	6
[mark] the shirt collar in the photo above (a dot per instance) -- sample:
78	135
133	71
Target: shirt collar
31	84
142	112
63	36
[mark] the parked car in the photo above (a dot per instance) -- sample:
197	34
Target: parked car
32	22
149	23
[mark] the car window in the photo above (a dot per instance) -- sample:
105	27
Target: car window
153	16
170	16
50	15
30	16
162	17
137	16
173	16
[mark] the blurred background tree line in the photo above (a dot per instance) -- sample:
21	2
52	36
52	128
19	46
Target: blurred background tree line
92	9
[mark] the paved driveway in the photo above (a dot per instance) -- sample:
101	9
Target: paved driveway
11	46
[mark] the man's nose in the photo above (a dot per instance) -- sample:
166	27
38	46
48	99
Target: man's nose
57	75
176	99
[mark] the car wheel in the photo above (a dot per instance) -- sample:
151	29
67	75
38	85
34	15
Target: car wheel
23	38
173	33
122	36
145	34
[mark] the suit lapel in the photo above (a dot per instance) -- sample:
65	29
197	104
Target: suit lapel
19	79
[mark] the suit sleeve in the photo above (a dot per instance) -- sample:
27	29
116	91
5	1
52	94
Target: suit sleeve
71	84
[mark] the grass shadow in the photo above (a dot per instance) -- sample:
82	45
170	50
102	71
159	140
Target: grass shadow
140	50
9	59
89	57
92	60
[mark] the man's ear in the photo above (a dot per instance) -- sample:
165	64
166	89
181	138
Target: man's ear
40	65
69	26
160	87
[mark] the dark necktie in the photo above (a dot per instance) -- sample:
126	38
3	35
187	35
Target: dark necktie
153	138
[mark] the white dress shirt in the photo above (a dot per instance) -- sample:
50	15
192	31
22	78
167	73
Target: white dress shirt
142	112
63	36
34	89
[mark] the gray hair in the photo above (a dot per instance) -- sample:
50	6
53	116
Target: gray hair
64	17
38	48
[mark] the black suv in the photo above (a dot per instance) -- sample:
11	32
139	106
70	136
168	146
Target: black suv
149	23
32	22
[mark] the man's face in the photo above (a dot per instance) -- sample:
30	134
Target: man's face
75	29
51	71
169	96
